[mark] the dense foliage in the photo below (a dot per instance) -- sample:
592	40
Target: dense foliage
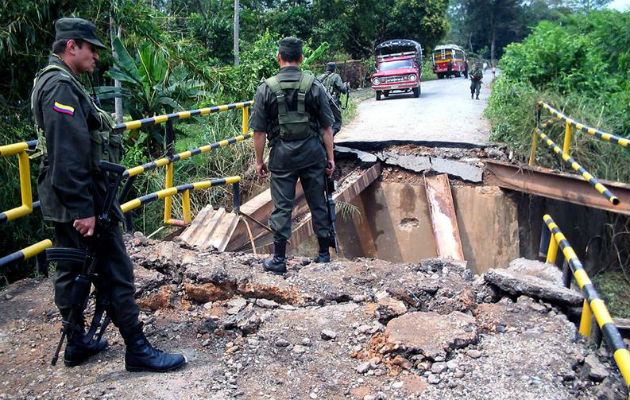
581	66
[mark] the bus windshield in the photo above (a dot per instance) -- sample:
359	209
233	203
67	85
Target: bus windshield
389	65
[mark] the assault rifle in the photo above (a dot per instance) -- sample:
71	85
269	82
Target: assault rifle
88	257
332	216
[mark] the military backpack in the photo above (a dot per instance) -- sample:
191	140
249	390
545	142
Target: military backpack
293	124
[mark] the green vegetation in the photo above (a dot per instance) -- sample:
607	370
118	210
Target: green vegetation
579	65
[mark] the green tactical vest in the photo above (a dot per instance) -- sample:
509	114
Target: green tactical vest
327	82
106	144
294	124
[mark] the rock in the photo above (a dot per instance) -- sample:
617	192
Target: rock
363	367
594	369
328	334
235	305
473	353
246	320
458	374
208	305
388	307
430	333
299	349
359	298
434	379
438	367
282	343
548	272
264	303
518	284
307	342
452	364
145	280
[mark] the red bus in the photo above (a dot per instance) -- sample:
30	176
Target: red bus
446	54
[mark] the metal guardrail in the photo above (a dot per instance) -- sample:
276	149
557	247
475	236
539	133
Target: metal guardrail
603	325
28	206
570	125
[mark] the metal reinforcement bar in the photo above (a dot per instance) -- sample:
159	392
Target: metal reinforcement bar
577	167
158	119
586	129
26	253
593	304
135	203
184	155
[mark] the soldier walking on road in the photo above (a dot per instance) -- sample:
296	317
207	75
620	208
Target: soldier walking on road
291	109
74	135
335	86
476	75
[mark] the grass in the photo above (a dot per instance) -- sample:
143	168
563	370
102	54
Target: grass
613	287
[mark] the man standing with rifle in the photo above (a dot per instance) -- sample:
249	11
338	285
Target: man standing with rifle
74	136
291	110
335	86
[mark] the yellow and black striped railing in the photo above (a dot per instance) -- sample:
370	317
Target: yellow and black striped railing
26	253
593	304
603	190
185	189
160	119
571	123
24	168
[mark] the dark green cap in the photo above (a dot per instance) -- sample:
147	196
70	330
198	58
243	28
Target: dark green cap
290	45
77	28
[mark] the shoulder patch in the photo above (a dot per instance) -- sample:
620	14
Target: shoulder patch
62	108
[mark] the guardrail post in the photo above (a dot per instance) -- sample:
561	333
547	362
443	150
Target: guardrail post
568	135
586	320
168	201
545	235
25	180
245	119
596	334
237	197
567	274
532	152
552	252
186	206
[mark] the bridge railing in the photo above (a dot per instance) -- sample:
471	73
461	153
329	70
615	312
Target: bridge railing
28	206
564	152
553	239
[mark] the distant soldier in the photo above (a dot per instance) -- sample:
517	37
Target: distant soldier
292	111
449	71
475	80
465	69
74	135
335	86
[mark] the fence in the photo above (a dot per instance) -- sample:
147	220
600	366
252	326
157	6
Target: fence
570	126
28	206
602	325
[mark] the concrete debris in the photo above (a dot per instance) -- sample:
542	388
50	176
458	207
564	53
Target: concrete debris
364	158
316	332
516	283
415	163
548	272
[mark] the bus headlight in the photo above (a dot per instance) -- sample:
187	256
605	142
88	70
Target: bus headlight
411	77
376	81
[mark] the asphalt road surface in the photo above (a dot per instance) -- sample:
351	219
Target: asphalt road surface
444	114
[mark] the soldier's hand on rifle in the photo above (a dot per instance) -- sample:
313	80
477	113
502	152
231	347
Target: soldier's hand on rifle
262	170
330	167
85	226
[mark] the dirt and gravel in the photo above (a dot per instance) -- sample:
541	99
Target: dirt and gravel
363	329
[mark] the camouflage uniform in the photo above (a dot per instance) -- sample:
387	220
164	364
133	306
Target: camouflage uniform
476	75
334	85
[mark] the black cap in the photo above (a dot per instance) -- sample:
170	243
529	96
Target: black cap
331	66
290	45
77	28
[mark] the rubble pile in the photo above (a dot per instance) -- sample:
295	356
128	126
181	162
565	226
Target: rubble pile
363	329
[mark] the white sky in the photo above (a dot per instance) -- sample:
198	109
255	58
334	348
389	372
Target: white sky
621	5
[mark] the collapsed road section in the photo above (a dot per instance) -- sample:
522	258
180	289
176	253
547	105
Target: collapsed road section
363	329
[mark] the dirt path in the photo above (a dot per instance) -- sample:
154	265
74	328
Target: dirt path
444	114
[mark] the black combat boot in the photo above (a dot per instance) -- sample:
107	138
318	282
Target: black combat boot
79	348
141	356
323	256
277	264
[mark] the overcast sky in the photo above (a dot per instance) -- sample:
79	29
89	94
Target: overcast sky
622	5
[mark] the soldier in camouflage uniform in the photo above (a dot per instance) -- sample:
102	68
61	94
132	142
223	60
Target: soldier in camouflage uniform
335	86
291	110
476	75
74	135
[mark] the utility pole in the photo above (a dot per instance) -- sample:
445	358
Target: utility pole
236	30
118	103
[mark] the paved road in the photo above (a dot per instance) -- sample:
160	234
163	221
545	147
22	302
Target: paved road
443	114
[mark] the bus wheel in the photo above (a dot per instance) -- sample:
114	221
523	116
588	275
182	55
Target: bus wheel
386	93
439	75
416	91
378	95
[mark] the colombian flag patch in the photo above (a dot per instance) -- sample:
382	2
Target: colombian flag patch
62	108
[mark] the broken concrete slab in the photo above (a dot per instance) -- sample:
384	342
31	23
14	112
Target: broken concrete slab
147	280
548	272
347	152
415	163
517	283
431	334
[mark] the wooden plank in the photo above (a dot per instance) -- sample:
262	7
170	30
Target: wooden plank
443	218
